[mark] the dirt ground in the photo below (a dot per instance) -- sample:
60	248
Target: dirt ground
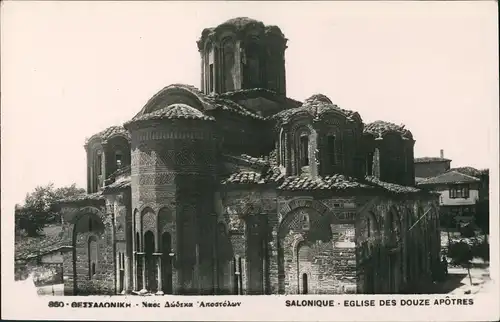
458	281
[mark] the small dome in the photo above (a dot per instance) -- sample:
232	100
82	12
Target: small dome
316	106
174	112
380	128
109	133
317	98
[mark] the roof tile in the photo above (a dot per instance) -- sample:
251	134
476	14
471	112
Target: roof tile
448	178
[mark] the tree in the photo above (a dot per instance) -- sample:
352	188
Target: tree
38	211
483	216
461	254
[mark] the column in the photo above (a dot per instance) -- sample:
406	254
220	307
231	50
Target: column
160	280
126	274
143	263
118	268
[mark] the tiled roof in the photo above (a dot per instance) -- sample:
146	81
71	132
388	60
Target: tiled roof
268	175
117	185
110	132
82	197
30	247
122	171
209	102
267	171
380	128
259	92
173	112
392	187
335	182
430	159
227	105
450	177
316	106
245	159
470	171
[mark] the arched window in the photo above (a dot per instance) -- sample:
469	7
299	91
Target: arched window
99	163
227	64
282	148
368	227
304	284
369	164
92	256
118	159
304	150
305	223
331	149
253	68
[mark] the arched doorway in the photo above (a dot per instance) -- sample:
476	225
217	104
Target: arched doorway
166	261
86	241
149	248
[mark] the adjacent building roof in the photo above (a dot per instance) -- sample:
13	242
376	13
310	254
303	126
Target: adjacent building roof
380	128
316	106
82	197
431	159
470	171
110	132
32	247
450	177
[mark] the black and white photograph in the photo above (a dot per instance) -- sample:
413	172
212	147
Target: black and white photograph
176	150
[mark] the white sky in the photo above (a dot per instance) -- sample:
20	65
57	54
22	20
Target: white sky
71	69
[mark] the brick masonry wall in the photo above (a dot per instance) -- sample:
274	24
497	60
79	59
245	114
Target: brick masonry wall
399	255
173	168
77	231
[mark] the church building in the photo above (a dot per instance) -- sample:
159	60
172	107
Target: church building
235	188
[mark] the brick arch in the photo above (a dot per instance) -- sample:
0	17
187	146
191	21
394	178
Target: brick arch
149	223
292	220
93	225
177	93
166	217
299	203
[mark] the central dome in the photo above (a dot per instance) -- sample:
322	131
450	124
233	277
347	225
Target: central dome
240	22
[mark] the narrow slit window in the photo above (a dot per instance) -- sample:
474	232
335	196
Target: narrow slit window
211	79
304	150
99	164
331	149
118	160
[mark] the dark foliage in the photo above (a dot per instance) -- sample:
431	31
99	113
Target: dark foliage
38	211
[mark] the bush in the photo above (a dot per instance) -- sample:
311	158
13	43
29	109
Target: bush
460	253
481	250
467	231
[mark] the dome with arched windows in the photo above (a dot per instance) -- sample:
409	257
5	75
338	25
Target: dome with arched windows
379	129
